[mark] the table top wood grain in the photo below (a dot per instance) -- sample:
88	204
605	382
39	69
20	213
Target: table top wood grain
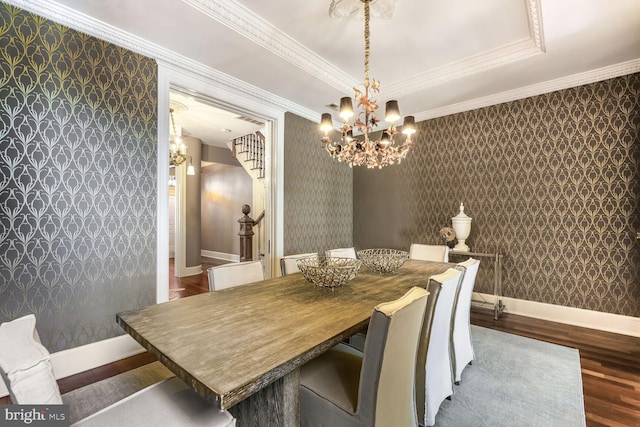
231	343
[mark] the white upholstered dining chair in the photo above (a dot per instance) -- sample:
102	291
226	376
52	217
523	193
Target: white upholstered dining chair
434	376
289	263
429	252
26	370
346	388
462	345
234	274
342	253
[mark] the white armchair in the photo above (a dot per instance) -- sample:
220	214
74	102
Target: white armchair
434	376
289	263
27	372
375	388
342	253
429	252
462	345
234	274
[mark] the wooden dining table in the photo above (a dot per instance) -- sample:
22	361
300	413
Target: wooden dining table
241	348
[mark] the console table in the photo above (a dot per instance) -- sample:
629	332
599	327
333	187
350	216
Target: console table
498	307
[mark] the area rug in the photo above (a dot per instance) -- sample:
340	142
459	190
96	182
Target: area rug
86	400
516	381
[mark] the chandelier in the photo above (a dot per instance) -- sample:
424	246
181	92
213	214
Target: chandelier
365	151
177	149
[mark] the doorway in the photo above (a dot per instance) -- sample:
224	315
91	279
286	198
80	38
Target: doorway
173	80
221	176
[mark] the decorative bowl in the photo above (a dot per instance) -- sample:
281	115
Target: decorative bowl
383	260
328	272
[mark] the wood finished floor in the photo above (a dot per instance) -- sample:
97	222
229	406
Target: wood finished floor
610	362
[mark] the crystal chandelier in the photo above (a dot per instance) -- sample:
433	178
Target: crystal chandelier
177	149
364	151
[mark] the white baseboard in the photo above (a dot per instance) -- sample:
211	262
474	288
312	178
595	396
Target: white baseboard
192	271
220	255
609	322
90	356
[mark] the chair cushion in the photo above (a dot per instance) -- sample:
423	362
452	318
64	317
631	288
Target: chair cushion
334	376
25	364
166	403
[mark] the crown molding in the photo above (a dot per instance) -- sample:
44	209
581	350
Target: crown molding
534	13
567	82
93	27
244	22
248	24
499	57
504	55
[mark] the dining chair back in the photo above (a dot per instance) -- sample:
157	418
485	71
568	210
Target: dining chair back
462	345
371	389
342	253
429	252
234	274
289	263
434	376
27	372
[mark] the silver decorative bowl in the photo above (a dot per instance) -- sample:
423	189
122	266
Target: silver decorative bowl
328	272
383	260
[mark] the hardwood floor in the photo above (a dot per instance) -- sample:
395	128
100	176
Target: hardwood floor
180	287
610	362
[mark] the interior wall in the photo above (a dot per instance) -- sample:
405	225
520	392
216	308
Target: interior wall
193	220
225	188
318	192
552	181
78	165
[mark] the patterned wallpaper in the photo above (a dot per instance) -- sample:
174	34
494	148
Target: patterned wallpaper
77	179
318	192
552	181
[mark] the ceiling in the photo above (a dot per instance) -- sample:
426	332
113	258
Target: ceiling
435	57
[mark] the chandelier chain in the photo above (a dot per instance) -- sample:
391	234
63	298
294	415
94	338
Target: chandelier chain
173	123
367	49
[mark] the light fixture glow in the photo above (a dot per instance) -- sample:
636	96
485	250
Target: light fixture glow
191	170
177	149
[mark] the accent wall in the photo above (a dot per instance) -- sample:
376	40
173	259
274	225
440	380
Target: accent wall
318	192
78	160
551	181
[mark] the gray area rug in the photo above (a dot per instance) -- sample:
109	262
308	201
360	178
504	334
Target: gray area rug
86	400
516	381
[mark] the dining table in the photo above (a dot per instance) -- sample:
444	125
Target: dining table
242	348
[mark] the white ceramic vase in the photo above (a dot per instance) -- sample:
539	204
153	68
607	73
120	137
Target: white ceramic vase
462	226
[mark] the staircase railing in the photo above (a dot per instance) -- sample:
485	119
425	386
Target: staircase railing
252	146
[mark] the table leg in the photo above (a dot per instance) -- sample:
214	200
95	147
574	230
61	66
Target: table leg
276	405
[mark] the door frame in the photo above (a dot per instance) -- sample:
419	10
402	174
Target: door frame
273	117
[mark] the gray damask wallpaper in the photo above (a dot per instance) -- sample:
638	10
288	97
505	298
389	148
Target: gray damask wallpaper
318	192
552	181
77	179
